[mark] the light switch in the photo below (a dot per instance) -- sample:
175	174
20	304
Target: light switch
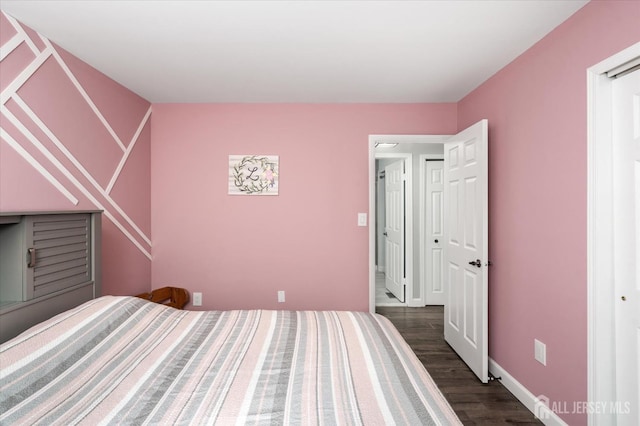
362	219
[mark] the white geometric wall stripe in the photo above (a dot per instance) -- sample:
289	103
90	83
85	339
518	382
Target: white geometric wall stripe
10	46
22	34
24	76
83	93
13	119
20	150
102	200
20	102
116	174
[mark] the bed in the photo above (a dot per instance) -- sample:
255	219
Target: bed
125	360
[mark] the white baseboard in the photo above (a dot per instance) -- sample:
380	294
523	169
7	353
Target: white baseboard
532	402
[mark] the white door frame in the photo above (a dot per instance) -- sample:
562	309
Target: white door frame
422	220
373	139
601	384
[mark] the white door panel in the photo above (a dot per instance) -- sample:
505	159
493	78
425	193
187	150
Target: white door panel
434	208
471	291
452	313
626	195
466	248
394	228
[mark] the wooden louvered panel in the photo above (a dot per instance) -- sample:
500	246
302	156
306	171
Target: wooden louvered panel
60	242
64	229
52	223
60	280
56	255
63	257
42	273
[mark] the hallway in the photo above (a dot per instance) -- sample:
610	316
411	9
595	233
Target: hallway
383	297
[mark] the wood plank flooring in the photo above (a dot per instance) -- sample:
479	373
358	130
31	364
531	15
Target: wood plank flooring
475	403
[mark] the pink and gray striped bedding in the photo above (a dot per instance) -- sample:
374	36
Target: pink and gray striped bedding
123	360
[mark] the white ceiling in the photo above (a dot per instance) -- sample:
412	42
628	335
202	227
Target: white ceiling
296	51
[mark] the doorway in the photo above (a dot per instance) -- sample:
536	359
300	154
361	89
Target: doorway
408	148
390	228
465	192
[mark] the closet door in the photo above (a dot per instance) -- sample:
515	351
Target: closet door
58	254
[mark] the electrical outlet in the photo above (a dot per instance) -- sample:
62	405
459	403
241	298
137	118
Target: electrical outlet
540	351
280	296
197	299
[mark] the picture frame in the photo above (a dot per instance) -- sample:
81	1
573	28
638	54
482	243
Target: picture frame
253	174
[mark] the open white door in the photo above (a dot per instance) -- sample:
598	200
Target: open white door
466	246
626	210
394	228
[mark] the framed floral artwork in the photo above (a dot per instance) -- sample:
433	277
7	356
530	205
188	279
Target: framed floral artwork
253	174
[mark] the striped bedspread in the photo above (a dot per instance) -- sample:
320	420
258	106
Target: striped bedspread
123	360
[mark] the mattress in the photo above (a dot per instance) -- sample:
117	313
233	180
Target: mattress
124	360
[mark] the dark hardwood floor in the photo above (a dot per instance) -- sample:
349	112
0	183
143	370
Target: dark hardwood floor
475	403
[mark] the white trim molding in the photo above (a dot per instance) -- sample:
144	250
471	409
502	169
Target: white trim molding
538	405
37	166
10	46
22	33
130	147
83	93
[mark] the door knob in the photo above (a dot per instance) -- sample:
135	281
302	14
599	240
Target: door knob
435	241
476	263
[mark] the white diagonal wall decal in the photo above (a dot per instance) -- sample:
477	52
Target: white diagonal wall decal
32	115
84	94
22	33
73	179
36	165
10	92
24	76
116	174
10	46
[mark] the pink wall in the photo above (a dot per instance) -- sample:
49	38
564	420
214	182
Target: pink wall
240	250
537	108
78	157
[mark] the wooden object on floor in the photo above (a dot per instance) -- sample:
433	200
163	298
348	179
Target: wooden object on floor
475	403
174	297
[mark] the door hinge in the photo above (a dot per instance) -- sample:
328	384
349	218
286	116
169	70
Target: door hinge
488	263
